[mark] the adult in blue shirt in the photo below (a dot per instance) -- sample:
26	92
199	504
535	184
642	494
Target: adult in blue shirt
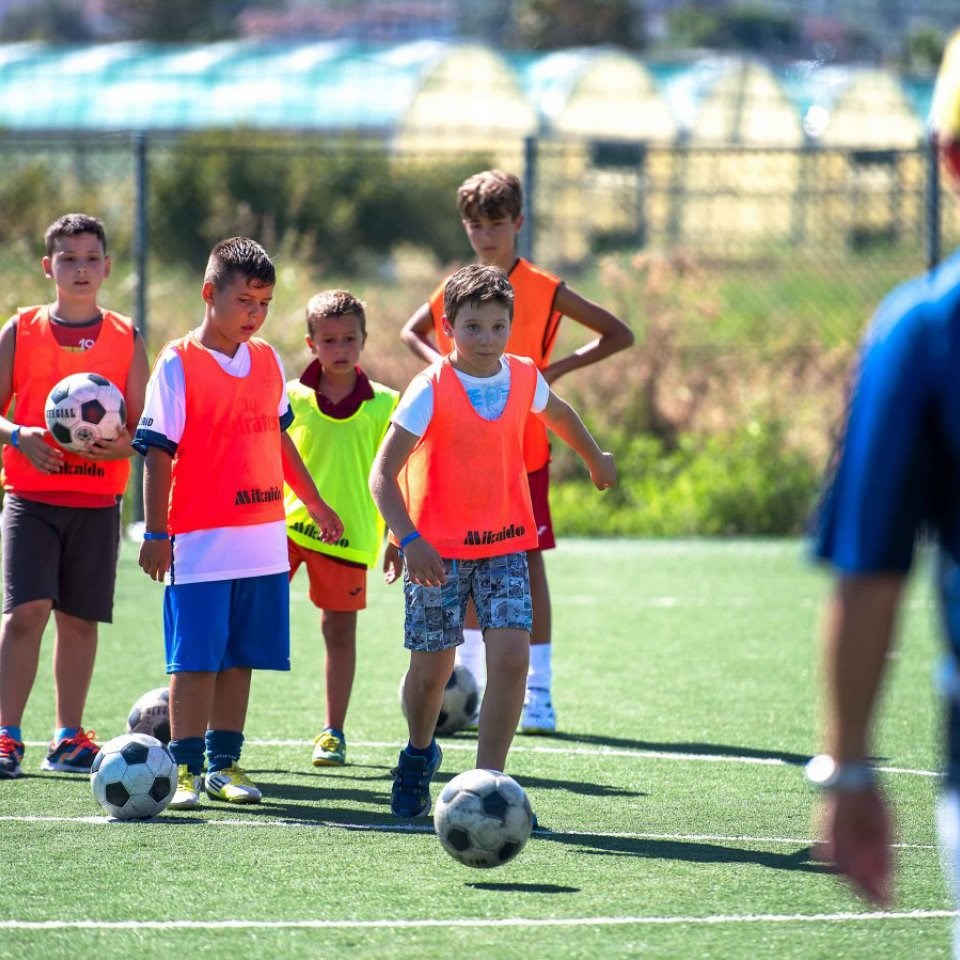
897	472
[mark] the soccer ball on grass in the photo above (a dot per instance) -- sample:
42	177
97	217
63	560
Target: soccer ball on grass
82	409
483	818
151	715
461	697
134	776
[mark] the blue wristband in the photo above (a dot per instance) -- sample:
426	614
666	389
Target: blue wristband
409	538
149	535
15	438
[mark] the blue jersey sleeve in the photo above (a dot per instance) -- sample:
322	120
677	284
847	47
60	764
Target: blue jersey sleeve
879	491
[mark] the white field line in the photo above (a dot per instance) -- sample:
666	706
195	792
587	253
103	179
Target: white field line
600	751
485	922
290	824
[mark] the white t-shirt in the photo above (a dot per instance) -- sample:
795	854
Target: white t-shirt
488	396
220	553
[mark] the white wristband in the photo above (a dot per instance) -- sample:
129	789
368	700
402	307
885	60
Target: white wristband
825	773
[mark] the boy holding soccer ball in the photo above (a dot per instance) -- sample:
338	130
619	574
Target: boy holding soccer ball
450	482
217	454
490	205
341	417
61	512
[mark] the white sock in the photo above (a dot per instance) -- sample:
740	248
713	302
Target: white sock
540	674
472	654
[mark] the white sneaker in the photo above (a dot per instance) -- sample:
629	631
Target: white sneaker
538	713
232	785
187	796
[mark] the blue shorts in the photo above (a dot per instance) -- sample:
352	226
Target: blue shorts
219	624
499	586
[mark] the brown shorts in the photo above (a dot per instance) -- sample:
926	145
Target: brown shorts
539	482
64	554
335	585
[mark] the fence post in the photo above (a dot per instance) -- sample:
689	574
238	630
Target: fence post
933	198
525	239
140	240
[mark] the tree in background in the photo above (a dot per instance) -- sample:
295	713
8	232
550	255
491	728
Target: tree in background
554	24
171	21
54	21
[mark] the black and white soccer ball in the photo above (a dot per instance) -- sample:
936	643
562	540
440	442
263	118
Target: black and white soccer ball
461	698
84	408
483	818
151	714
134	777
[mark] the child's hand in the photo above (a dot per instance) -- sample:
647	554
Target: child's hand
34	447
424	564
155	558
603	473
392	562
327	521
119	448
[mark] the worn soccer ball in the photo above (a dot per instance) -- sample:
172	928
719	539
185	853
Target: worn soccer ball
483	818
151	715
461	697
84	408
134	776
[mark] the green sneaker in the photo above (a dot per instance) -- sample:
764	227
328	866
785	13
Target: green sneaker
187	794
331	749
232	785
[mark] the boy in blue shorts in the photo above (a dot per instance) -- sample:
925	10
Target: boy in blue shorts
897	473
451	483
340	418
61	513
213	432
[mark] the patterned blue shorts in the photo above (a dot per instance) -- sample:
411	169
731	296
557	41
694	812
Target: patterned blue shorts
500	587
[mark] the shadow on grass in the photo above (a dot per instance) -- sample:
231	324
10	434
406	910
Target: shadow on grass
523	887
701	749
691	851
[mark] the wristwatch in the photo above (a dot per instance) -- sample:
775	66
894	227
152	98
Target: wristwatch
825	773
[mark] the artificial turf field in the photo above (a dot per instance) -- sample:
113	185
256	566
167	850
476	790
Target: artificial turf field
675	822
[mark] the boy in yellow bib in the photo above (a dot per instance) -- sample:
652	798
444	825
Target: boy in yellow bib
451	484
340	418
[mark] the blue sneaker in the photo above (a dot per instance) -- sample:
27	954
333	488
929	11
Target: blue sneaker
410	796
11	756
72	754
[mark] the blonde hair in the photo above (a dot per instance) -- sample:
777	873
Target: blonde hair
945	110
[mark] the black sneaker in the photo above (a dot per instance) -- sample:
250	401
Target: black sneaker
410	796
11	755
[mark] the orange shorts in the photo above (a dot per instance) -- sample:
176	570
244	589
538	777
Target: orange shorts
336	585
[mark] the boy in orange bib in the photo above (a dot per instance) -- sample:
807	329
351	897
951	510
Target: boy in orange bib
61	515
490	205
451	483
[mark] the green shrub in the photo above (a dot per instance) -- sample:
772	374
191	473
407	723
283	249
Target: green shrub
747	482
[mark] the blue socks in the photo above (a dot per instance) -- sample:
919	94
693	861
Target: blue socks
188	752
14	733
430	752
64	733
223	748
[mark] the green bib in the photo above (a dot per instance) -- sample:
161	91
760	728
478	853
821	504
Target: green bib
339	455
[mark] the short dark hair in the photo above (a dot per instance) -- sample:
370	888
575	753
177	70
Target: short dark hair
491	193
72	225
239	255
476	283
335	303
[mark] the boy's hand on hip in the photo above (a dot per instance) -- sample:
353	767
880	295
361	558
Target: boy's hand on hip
603	473
155	558
424	564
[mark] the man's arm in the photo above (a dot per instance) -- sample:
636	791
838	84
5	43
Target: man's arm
614	334
858	633
416	334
